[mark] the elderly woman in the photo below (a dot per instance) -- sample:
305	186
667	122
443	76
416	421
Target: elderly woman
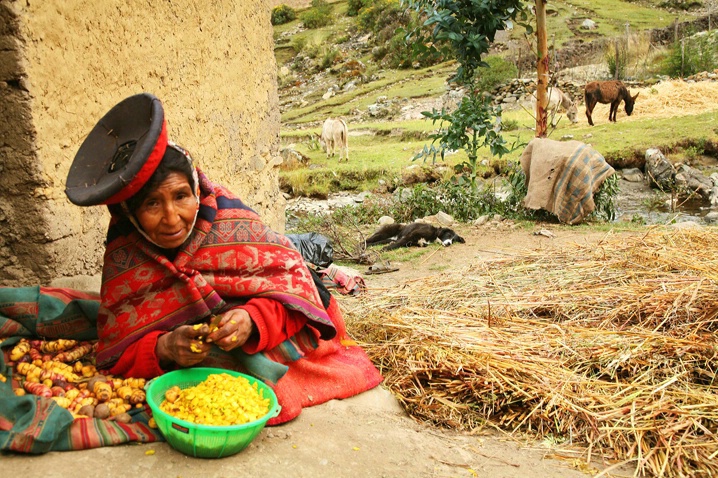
191	275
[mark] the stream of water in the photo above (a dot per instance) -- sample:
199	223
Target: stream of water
635	201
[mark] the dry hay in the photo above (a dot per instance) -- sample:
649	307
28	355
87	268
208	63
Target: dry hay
610	347
668	99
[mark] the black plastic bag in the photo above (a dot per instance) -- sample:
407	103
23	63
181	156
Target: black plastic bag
314	247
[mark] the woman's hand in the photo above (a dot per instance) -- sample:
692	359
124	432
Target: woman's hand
233	331
182	346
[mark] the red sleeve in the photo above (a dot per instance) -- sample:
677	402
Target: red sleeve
140	359
274	324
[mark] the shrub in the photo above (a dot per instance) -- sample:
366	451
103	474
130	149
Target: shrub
368	212
319	15
376	14
697	54
509	125
354	6
605	200
299	44
388	21
617	59
282	14
396	54
329	58
464	204
498	72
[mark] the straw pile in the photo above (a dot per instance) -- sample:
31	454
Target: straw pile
664	99
611	347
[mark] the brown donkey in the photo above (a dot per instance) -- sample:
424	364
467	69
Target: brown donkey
613	92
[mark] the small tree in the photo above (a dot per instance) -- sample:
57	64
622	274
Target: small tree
465	30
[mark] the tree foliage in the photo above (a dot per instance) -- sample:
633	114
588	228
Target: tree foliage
463	29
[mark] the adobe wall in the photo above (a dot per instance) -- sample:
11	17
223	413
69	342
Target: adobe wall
64	63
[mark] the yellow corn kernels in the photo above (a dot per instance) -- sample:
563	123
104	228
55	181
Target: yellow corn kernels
219	400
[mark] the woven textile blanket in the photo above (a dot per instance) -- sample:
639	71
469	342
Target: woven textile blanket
32	424
562	177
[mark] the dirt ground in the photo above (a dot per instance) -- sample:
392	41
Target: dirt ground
368	435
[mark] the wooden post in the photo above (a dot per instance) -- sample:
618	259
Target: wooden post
542	70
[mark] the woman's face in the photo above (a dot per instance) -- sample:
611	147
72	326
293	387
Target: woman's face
167	213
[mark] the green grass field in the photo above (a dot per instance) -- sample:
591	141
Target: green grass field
375	155
380	150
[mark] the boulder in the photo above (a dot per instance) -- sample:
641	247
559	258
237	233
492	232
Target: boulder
588	24
661	173
292	159
632	175
691	180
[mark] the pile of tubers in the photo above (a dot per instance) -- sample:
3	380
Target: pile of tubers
63	370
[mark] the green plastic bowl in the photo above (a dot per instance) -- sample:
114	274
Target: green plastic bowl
204	441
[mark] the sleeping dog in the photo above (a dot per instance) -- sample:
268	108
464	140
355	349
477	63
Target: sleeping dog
413	234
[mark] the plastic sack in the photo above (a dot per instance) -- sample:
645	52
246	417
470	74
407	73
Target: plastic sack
314	248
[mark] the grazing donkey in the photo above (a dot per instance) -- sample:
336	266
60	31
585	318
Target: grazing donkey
334	136
613	92
556	99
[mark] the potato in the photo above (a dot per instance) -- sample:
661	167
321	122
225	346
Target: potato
95	379
102	411
87	410
123	418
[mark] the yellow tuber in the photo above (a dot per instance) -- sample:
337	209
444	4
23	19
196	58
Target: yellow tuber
19	351
102	391
124	392
59	345
88	370
134	382
137	397
64	402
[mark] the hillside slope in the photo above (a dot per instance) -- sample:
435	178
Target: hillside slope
331	71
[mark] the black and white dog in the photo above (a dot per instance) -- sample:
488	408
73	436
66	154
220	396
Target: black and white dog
413	234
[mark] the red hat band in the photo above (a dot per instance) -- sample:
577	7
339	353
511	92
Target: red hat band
147	170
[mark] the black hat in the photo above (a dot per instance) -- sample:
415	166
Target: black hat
120	153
